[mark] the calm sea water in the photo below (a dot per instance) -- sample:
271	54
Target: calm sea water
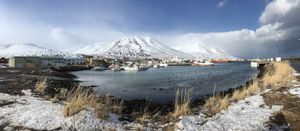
160	84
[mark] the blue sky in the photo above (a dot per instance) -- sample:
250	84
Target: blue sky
244	28
147	16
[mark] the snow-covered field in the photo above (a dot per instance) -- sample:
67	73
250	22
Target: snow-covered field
248	114
31	112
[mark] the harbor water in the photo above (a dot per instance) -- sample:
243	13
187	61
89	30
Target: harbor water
160	84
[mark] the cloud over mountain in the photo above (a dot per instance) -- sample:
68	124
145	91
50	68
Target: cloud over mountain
280	23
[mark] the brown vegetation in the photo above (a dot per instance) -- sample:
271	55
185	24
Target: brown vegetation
290	111
41	86
182	103
80	99
216	103
277	75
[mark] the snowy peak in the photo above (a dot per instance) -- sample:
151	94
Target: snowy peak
135	47
212	53
27	49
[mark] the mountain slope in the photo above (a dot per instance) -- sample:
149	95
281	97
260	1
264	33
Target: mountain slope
212	53
135	47
9	50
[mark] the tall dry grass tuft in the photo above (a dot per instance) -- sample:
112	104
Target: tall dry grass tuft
278	74
41	86
216	103
80	99
145	114
240	94
182	103
111	105
254	87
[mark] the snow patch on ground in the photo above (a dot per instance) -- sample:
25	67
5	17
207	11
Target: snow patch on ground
296	73
248	114
295	91
35	113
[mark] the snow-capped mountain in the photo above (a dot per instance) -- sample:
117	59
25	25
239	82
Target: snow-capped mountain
9	50
212	53
134	47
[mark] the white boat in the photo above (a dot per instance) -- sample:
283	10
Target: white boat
206	63
135	68
163	65
127	68
99	68
116	69
156	66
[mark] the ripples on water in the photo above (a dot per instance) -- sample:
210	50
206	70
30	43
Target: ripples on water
160	84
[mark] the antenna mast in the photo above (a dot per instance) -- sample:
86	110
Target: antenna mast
277	43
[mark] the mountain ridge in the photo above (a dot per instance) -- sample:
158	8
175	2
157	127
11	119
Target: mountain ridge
27	49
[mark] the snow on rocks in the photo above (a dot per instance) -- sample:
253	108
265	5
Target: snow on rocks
31	112
248	114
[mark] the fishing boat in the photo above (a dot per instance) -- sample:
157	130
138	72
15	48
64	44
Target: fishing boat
163	65
206	63
135	68
156	66
99	68
117	68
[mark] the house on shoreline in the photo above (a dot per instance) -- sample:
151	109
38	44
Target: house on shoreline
3	61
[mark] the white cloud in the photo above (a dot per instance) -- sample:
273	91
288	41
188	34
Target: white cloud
241	43
278	9
222	4
280	18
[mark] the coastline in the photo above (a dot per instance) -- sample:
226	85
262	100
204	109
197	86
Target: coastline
131	107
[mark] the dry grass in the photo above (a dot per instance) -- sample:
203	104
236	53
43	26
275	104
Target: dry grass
254	87
80	99
145	114
240	94
216	103
41	86
245	92
111	105
182	103
278	74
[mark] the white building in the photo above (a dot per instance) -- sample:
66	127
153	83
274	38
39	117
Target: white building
75	61
52	61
